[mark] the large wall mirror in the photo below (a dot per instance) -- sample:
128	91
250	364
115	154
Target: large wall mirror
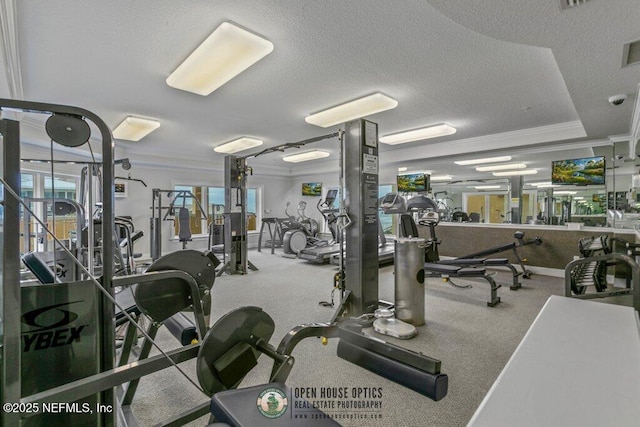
592	185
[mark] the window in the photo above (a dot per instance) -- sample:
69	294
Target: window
185	197
252	209
41	186
63	187
387	221
215	205
212	201
26	185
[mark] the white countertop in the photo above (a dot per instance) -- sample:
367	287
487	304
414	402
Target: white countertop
595	230
578	365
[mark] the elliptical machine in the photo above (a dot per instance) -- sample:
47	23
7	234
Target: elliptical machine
329	213
300	232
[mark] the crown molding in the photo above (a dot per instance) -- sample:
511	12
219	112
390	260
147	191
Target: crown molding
634	132
10	49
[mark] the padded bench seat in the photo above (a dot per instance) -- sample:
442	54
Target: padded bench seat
475	261
39	268
455	270
496	261
461	271
487	262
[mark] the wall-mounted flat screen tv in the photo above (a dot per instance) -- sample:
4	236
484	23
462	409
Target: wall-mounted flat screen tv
413	183
585	171
312	189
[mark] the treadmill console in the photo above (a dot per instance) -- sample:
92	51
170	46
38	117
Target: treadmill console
388	200
392	203
331	196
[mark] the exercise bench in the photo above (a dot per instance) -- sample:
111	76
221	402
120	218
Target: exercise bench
447	271
408	228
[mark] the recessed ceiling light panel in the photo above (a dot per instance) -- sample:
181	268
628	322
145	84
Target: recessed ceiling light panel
306	156
135	128
343	113
236	145
545	185
441	178
516	172
508	166
418	134
480	161
227	52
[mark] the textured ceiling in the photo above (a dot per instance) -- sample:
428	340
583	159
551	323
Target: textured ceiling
506	75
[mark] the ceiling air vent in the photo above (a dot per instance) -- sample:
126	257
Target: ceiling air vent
566	4
631	53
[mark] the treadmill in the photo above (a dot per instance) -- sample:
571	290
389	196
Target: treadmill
321	253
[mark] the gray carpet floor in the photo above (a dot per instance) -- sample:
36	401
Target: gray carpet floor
473	341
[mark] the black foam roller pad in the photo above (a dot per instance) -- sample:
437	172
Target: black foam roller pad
434	386
182	328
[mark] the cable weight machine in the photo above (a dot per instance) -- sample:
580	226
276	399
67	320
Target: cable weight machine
235	203
183	217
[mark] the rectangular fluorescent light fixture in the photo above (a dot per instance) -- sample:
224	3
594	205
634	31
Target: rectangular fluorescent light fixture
480	161
578	198
352	110
402	168
236	145
135	128
565	192
418	134
486	187
541	184
303	157
441	178
508	166
227	52
513	173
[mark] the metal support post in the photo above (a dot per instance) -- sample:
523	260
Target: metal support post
361	197
10	353
515	204
235	216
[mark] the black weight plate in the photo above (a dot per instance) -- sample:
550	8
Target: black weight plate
234	327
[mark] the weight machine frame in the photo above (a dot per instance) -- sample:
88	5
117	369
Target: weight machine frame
10	288
235	202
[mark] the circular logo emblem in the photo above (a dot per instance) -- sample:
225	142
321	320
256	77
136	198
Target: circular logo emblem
272	402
